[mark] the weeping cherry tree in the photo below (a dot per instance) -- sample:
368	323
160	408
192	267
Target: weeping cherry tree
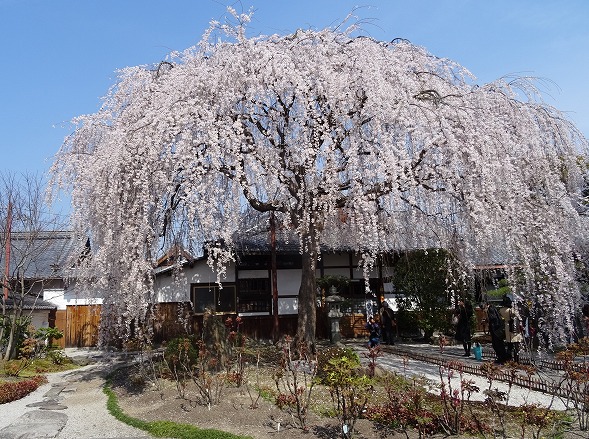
380	146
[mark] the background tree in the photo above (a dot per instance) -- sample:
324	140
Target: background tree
420	276
374	145
32	225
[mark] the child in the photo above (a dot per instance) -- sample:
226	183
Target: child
374	330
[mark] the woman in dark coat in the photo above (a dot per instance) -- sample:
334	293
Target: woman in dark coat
463	330
388	322
497	331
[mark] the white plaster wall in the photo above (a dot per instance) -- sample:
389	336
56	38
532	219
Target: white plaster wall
254	274
170	288
287	305
40	319
72	299
389	287
69	297
289	282
55	296
176	288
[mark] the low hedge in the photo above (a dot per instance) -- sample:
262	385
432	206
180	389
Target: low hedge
13	390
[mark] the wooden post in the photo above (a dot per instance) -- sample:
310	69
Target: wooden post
276	324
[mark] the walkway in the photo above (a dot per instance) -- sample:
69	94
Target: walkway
71	406
424	360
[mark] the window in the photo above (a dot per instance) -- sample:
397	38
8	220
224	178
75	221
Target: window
255	295
213	298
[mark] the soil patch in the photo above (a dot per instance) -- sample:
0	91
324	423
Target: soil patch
243	411
240	411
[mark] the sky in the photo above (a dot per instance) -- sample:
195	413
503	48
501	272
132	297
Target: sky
59	57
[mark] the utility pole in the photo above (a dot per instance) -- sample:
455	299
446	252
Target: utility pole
6	266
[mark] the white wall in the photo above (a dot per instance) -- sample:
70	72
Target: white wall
176	288
289	282
170	289
287	305
68	297
55	296
39	318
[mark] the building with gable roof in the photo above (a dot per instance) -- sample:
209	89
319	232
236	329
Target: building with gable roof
38	270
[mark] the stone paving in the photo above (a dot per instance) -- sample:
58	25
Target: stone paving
72	405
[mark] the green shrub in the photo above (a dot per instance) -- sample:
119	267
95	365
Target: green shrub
181	350
58	357
324	356
350	389
502	289
48	334
29	348
13	368
11	391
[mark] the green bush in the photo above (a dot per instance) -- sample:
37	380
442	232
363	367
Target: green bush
324	356
13	368
48	333
181	350
58	357
350	389
502	289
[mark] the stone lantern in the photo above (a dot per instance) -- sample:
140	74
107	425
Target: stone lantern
334	314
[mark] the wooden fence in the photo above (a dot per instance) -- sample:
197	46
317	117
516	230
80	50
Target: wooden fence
176	319
79	325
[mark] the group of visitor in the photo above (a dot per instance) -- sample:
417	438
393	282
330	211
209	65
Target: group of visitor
504	328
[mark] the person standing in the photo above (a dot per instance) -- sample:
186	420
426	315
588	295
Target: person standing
463	329
389	323
497	331
585	320
513	335
373	332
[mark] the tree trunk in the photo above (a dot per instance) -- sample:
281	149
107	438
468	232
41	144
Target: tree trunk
11	343
2	321
307	316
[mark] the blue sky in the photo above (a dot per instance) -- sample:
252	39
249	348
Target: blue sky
59	57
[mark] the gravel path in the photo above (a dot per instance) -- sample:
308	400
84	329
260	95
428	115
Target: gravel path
72	405
517	395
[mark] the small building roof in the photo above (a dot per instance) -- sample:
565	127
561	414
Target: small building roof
31	302
43	255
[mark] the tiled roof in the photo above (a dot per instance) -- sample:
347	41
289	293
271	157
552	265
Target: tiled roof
31	302
43	255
